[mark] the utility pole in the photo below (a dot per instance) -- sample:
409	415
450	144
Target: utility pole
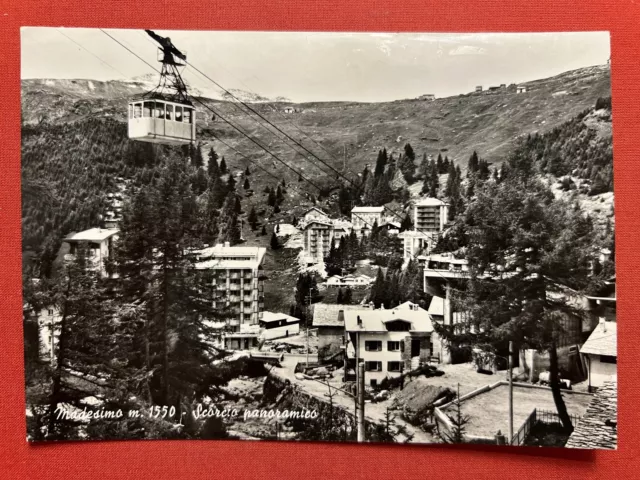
510	366
360	419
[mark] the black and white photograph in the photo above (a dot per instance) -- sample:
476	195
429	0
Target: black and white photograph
318	236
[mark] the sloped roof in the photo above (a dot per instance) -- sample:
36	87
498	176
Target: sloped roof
430	202
367	209
376	320
92	235
602	341
327	315
436	307
268	317
598	428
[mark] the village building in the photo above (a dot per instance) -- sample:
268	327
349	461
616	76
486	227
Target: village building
278	325
349	281
315	213
429	219
289	110
234	275
601	354
364	218
48	320
319	231
391	227
478	88
427	96
247	337
389	342
317	238
429	215
99	245
328	319
598	427
521	89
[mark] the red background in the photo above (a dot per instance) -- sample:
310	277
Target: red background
224	459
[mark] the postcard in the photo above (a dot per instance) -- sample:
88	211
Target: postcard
346	237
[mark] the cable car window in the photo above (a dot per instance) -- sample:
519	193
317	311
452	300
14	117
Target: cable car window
178	114
137	110
159	110
148	106
130	111
169	114
187	115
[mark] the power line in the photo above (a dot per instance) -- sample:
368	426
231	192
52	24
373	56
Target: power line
90	52
245	134
270	123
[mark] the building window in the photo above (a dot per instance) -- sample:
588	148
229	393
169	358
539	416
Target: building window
373	345
373	366
394	366
608	359
373	382
393	346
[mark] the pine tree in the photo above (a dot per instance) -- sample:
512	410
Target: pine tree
525	248
439	163
275	245
229	225
339	300
231	183
197	159
347	298
409	153
434	183
223	166
473	164
246	185
381	163
247	172
212	167
253	218
264	230
271	199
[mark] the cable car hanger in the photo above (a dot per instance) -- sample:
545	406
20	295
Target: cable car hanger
171	86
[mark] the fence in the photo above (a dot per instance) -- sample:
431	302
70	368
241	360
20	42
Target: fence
543	416
522	434
549	417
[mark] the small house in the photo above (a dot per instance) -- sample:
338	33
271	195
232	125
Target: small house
479	88
278	325
289	110
521	89
601	353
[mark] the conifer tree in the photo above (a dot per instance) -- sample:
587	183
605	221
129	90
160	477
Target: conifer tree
381	163
246	184
275	245
212	166
247	172
253	218
339	300
223	166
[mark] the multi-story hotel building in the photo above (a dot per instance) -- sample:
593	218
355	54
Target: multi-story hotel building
235	277
429	219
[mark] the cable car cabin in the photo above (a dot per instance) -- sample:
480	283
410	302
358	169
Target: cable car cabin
161	121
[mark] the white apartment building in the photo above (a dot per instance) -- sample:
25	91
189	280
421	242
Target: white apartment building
364	218
235	277
389	342
99	243
429	217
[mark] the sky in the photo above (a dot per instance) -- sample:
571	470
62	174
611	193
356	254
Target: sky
312	66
